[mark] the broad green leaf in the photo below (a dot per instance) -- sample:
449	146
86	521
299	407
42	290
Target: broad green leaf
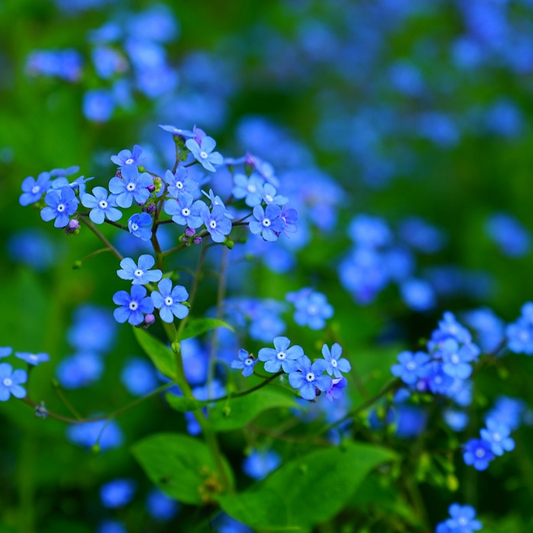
163	357
179	465
197	326
182	404
306	491
236	413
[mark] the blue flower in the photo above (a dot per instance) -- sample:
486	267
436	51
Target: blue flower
216	200
462	520
270	196
80	370
410	368
246	363
98	105
168	301
281	357
161	507
312	308
478	453
89	319
335	365
268	222
203	152
10	382
508	411
185	211
138	376
78	184
336	392
33	190
125	157
132	307
117	493
369	231
132	186
497	435
141	274
107	433
140	225
248	188
61	204
112	526
216	222
260	463
435	378
520	337
309	377
5	351
101	206
289	217
33	358
180	182
177	131
456	359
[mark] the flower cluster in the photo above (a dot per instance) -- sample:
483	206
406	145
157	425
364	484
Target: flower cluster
462	520
310	378
520	333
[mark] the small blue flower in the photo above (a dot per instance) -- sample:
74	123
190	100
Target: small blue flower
132	186
185	211
5	351
456	359
270	196
33	190
177	131
411	366
180	182
10	382
281	356
216	222
335	365
80	370
112	526
497	435
203	152
309	377
139	274
161	507
462	520
290	217
336	392
246	363
168	301
78	184
132	307
101	206
248	188
478	453
125	157
260	463
520	337
216	200
33	358
117	493
106	432
61	205
435	378
268	222
312	308
140	225
138	376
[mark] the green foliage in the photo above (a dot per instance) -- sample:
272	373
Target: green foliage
308	490
163	357
182	404
197	326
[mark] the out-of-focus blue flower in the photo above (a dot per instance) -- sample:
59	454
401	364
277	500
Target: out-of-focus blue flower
203	152
439	128
478	453
127	157
112	526
226	524
418	294
312	308
88	433
520	333
462	520
260	463
281	356
508	411
60	206
457	420
117	493
504	118
336	392
5	351
421	235
245	362
411	421
132	306
169	301
177	131
185	211
216	222
140	225
410	366
161	507
80	370
10	382
101	205
511	237
138	376
249	188
33	247
33	358
489	327
497	435
93	329
98	105
457	359
132	186
309	377
139	274
33	189
406	78
108	61
369	231
65	64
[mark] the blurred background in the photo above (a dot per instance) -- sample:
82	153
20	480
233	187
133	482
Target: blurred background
400	130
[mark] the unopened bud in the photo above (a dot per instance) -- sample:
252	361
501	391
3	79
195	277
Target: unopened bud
197	240
190	232
151	188
184	238
149	319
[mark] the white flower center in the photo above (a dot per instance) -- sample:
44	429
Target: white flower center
133	306
134	227
33	357
169	301
462	521
130	186
252	188
204	155
129	161
138	273
281	356
411	365
185	211
212	224
60	208
179	185
8	382
269	198
248	361
266	222
524	336
334	363
438	380
455	359
497	437
480	452
35	189
312	309
102	204
310	376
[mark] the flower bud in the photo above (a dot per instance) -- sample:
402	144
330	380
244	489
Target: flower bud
197	240
190	232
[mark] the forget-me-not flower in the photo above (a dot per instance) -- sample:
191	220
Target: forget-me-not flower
132	306
127	157
309	377
33	358
203	152
10	382
132	186
101	206
169	301
246	363
33	190
139	274
216	222
140	225
336	365
60	205
281	356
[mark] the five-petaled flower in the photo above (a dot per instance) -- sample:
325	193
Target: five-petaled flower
133	306
246	363
61	205
281	356
10	382
169	301
139	274
310	377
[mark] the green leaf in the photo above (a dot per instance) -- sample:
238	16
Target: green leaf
182	404
179	465
162	356
197	326
307	491
236	413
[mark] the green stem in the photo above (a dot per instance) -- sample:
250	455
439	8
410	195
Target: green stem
91	226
